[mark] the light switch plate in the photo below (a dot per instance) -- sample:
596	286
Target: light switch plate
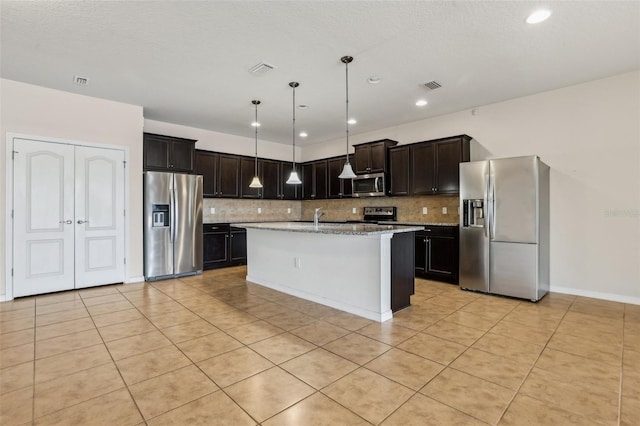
424	210
212	210
444	210
354	210
259	210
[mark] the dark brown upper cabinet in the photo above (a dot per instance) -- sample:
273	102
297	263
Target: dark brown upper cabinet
314	180
289	191
247	172
168	154
371	157
399	170
337	188
434	165
220	174
271	179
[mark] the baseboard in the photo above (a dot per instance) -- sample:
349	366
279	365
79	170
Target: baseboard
596	295
132	280
3	298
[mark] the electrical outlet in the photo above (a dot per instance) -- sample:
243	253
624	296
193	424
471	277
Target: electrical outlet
444	210
296	262
259	210
424	210
288	209
212	210
354	210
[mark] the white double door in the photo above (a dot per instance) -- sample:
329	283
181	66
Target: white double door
68	220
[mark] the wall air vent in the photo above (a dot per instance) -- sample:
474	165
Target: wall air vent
432	85
80	81
261	68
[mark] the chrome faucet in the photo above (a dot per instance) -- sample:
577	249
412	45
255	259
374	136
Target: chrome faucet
317	215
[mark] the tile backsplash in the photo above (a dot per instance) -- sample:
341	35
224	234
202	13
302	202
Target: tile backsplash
409	209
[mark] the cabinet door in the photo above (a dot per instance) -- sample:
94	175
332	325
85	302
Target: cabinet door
215	248
334	167
362	159
228	177
181	156
422	173
289	191
320	172
448	157
206	165
442	255
308	184
421	252
399	171
156	153
270	179
247	171
238	245
377	157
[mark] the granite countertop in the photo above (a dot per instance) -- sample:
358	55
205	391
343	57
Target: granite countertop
423	223
330	228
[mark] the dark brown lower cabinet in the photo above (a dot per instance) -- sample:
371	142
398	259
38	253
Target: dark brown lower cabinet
223	245
402	267
436	253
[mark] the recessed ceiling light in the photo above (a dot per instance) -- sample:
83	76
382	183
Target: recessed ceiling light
303	134
255	124
421	102
538	16
374	79
352	121
302	106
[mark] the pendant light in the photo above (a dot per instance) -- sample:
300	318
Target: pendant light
347	171
255	182
293	178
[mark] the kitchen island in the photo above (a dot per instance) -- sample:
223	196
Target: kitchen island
364	269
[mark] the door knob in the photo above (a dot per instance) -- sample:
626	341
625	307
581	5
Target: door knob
68	222
80	222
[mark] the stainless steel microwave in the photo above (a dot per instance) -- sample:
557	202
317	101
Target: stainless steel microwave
371	185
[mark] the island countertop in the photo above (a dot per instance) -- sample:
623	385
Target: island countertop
330	228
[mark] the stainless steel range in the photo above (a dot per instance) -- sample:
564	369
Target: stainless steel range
379	214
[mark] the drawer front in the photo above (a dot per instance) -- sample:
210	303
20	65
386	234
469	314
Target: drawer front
445	231
215	227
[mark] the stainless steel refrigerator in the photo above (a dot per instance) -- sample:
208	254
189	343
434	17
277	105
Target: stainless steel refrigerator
504	227
172	225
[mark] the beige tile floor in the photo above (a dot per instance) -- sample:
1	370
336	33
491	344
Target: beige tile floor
214	349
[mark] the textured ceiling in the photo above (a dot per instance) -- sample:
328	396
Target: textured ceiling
187	62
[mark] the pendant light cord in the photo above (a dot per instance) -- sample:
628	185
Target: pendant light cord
294	127
346	70
256	158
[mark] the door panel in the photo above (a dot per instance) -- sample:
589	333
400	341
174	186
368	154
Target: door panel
514	270
43	218
514	192
99	216
187	246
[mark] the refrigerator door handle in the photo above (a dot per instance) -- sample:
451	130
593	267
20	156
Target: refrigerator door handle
492	207
487	212
172	211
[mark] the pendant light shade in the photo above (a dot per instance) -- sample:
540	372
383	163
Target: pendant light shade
255	182
347	171
293	178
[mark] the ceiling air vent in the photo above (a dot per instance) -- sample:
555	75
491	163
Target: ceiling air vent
432	85
261	68
80	81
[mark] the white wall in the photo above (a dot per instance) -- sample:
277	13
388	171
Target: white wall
589	134
38	111
223	142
